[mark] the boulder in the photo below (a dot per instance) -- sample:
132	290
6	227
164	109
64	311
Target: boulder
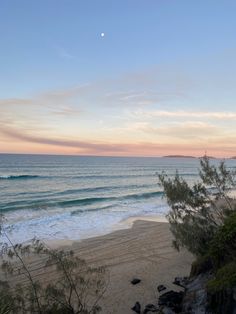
172	300
161	288
167	310
181	281
135	281
150	308
136	308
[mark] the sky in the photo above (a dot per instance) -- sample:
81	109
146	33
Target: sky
118	78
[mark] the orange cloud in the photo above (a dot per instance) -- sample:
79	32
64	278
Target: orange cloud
67	121
25	143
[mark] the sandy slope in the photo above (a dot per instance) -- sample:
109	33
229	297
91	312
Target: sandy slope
143	251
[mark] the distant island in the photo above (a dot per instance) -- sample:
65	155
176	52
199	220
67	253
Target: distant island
184	156
178	156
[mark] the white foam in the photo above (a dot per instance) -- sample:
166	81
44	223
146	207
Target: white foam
60	224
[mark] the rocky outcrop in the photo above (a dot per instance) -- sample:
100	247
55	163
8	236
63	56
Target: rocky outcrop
150	308
172	300
194	299
195	296
222	302
161	288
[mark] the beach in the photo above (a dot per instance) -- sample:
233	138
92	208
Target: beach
110	211
143	251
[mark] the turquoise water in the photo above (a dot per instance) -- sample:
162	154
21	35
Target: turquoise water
70	197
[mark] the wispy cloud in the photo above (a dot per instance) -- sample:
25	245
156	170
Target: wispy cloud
133	89
133	119
66	111
64	53
86	146
218	147
221	115
195	130
15	101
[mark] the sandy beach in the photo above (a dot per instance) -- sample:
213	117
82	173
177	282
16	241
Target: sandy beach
143	251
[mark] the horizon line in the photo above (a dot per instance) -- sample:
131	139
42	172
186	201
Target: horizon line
110	156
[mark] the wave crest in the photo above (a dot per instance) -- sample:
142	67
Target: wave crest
19	176
47	204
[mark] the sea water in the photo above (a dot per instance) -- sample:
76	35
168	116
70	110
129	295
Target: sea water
74	197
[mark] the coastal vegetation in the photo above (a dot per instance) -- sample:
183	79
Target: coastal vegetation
203	220
67	285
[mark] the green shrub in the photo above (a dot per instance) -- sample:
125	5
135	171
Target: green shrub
223	246
5	306
222	253
220	290
196	212
6	302
205	223
225	278
76	288
201	265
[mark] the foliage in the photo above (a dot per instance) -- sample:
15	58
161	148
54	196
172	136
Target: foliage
225	278
223	246
197	211
220	178
203	220
201	265
74	287
219	263
220	290
6	301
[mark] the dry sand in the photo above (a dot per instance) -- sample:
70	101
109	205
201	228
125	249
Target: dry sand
143	251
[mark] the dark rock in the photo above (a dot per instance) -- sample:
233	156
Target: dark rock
181	281
172	299
195	298
161	288
223	301
202	266
167	310
198	299
150	308
136	308
135	281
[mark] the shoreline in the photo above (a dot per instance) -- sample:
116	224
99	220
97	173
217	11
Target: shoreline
124	224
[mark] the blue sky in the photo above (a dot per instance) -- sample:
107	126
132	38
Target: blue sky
166	55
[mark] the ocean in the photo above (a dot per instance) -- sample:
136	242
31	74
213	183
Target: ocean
74	197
